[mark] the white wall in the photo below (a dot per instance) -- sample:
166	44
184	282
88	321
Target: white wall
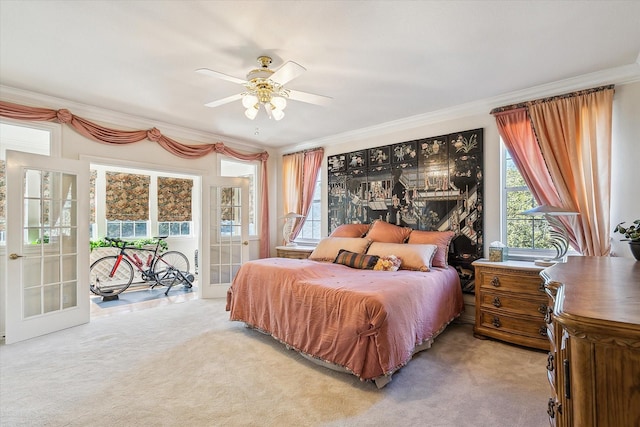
625	180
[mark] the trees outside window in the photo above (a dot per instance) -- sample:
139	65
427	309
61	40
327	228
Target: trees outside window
524	233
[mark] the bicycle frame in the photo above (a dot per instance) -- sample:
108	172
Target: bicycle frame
148	274
173	270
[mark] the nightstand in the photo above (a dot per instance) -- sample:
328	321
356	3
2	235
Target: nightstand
511	303
297	252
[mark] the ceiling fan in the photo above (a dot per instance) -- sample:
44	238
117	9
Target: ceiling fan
265	87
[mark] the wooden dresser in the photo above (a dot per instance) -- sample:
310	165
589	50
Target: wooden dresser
594	330
511	303
297	252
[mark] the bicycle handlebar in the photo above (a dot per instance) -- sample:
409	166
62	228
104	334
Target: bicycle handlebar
122	244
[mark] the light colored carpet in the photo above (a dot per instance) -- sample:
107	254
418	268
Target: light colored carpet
186	364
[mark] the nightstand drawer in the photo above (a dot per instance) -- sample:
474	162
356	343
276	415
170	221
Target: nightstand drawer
514	325
510	304
512	282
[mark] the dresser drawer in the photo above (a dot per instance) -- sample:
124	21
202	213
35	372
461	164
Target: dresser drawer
512	282
536	307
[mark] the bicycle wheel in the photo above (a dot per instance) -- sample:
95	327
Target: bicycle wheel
102	283
166	265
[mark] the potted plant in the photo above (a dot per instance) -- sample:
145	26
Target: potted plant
632	235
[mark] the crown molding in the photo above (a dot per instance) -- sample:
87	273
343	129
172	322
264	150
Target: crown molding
620	75
103	115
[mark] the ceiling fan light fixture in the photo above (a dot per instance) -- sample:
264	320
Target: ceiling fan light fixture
249	101
265	87
279	103
277	114
251	112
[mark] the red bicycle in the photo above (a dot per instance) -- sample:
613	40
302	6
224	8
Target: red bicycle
113	274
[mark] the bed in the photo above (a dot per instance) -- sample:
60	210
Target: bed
349	317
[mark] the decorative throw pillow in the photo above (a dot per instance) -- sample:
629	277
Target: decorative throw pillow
350	230
388	263
381	231
327	249
356	260
414	257
442	239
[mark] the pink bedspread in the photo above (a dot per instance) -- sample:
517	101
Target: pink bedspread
367	321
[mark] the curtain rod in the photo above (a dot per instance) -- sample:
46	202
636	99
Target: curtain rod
551	98
304	151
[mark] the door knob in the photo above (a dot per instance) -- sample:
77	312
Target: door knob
14	256
245	243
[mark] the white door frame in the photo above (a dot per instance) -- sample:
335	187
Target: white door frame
19	327
219	290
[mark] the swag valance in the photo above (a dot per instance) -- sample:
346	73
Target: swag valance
114	136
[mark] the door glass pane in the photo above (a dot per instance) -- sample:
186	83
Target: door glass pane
225	233
69	294
31	271
50	205
51	298
32	305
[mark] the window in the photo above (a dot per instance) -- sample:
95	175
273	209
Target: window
312	226
28	139
134	203
525	235
240	169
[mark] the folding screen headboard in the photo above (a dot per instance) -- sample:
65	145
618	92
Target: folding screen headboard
427	184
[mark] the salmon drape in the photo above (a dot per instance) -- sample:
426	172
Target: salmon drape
299	175
106	135
575	136
562	147
517	134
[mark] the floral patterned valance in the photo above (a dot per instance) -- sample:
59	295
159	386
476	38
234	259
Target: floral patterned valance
93	174
3	194
127	197
174	199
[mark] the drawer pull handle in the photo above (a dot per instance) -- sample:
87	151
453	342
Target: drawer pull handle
547	315
543	331
496	321
551	408
541	287
550	364
542	309
496	302
495	281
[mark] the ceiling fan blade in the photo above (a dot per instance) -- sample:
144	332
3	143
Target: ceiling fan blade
310	98
223	101
287	72
211	73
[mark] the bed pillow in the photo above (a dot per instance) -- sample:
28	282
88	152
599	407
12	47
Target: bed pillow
327	249
350	230
413	257
442	239
385	232
356	260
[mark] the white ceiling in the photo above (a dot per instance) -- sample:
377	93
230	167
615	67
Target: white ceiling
380	61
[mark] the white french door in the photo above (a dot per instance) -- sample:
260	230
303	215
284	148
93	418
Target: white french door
47	245
225	225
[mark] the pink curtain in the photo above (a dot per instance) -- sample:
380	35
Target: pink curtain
517	134
310	169
574	132
113	136
292	182
299	175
